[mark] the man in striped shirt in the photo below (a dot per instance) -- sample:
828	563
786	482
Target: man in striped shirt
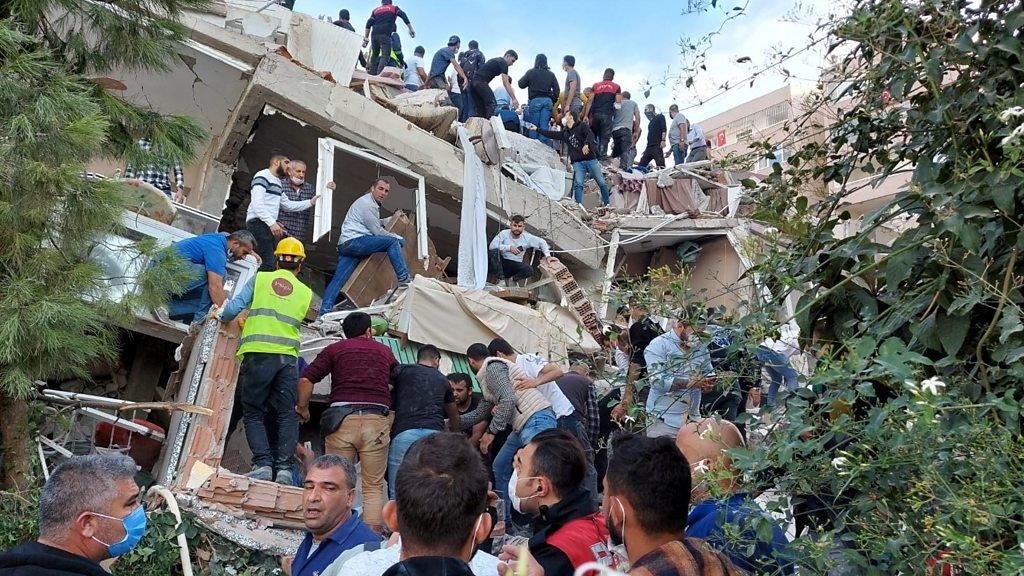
266	199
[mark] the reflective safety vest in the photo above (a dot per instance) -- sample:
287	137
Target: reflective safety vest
279	304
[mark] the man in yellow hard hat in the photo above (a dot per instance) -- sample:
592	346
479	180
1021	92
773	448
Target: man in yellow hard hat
277	304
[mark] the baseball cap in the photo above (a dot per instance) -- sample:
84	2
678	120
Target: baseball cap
454	40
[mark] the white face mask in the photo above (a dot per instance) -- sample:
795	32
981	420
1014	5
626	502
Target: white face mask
513	483
565	121
298	181
619	550
618	105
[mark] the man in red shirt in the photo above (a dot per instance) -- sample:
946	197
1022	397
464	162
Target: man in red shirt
358	423
602	111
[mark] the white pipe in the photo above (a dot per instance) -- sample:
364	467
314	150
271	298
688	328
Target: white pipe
172	505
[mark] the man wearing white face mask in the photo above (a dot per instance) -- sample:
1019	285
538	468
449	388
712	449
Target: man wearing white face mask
89	511
678	368
298	189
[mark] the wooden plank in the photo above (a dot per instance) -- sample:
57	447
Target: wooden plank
374	277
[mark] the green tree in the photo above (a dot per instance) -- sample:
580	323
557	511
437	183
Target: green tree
54	317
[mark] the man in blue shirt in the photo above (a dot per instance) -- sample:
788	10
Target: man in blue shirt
719	501
678	369
439	65
328	495
208	256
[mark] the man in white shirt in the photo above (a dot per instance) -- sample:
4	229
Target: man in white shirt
507	249
696	143
455	90
678	369
775	355
415	75
266	199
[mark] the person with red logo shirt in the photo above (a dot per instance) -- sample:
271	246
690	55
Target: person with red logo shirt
383	22
602	111
547	484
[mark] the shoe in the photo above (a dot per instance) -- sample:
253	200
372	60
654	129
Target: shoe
284	477
403	283
261	473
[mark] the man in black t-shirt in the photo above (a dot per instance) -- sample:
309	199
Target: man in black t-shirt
466	401
421	400
656	129
484	104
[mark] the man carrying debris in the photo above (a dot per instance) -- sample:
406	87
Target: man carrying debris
439	65
207	255
297	189
507	249
480	91
363	234
266	199
382	23
656	129
278	303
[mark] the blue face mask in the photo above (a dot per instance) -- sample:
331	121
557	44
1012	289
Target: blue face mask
134	528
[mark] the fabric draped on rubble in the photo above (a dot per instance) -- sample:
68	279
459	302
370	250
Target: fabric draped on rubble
473	220
682	196
627	188
452	318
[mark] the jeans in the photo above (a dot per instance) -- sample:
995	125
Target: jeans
484	104
623	146
459	101
579	174
380	45
540	421
779	371
504	268
365	438
538	111
193	302
266	243
412	87
678	154
396	453
467	108
269	382
601	124
351	252
573	425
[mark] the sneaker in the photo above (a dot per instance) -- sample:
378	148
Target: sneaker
284	477
261	473
404	283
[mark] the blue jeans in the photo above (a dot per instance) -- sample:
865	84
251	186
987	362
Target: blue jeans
268	383
354	250
396	452
539	422
779	371
538	111
459	101
468	108
192	304
579	174
678	154
412	87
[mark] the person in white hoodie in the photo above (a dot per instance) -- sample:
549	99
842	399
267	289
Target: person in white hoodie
266	199
775	355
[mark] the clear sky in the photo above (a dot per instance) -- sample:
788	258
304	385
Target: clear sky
640	40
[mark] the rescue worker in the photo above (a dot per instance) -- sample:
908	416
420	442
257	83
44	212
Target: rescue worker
277	302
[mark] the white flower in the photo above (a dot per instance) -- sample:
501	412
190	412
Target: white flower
933	385
701	467
1009	113
840	462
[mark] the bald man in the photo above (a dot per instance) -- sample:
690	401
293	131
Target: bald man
718	499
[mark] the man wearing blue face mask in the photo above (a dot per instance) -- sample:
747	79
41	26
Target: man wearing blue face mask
89	511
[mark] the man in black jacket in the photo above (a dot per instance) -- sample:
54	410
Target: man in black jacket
89	511
568	529
441	507
582	153
656	129
542	93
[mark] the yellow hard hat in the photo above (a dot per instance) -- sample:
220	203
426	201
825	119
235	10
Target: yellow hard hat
290	247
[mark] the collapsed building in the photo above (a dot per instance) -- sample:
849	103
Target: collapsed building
262	78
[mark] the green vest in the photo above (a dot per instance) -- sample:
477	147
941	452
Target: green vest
279	304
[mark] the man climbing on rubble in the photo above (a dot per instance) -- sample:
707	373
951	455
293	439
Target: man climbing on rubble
277	303
508	247
363	234
439	66
542	92
298	189
656	129
696	143
266	199
625	131
582	153
379	28
602	111
484	104
208	256
471	60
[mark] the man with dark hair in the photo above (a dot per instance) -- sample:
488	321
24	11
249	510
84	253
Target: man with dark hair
656	129
542	93
422	400
466	401
343	21
625	130
571	101
642	330
527	411
508	247
646	501
439	65
329	491
383	22
484	104
582	154
471	60
278	303
89	511
266	200
602	111
440	509
415	75
363	234
208	256
358	423
677	135
568	528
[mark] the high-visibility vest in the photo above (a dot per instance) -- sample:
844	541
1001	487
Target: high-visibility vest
279	304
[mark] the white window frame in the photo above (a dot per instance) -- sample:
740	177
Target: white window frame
323	213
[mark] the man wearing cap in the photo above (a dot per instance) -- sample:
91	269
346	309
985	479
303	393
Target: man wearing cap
438	66
278	303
